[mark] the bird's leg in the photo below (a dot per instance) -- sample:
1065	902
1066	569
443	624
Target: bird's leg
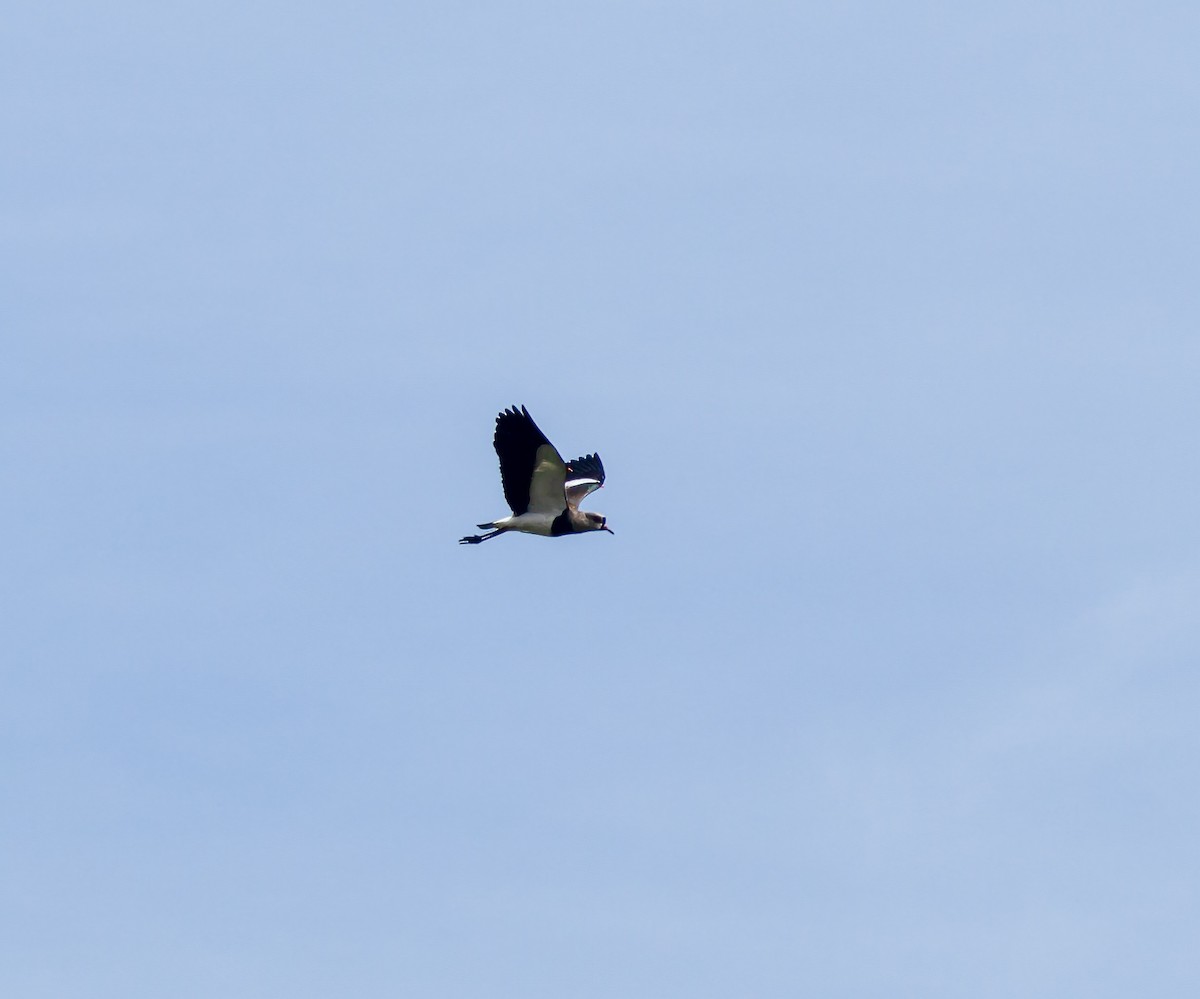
476	539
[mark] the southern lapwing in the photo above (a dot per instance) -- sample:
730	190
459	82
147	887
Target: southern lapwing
543	490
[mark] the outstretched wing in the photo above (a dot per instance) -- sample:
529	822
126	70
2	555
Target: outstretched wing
584	475
532	471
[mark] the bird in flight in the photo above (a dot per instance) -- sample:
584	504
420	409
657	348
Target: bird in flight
543	490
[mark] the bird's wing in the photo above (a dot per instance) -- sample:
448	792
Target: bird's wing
532	471
584	475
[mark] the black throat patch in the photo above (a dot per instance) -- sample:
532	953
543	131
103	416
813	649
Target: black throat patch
562	525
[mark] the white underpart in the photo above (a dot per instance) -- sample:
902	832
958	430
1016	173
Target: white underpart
529	523
546	494
578	489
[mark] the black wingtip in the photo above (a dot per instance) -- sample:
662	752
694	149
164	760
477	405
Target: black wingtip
587	465
516	440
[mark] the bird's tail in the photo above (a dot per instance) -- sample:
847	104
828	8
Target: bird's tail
485	526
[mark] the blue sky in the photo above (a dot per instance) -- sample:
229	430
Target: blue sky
884	319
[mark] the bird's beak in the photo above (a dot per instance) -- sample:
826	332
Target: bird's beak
609	529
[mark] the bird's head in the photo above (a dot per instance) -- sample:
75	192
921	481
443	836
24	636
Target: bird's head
595	522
